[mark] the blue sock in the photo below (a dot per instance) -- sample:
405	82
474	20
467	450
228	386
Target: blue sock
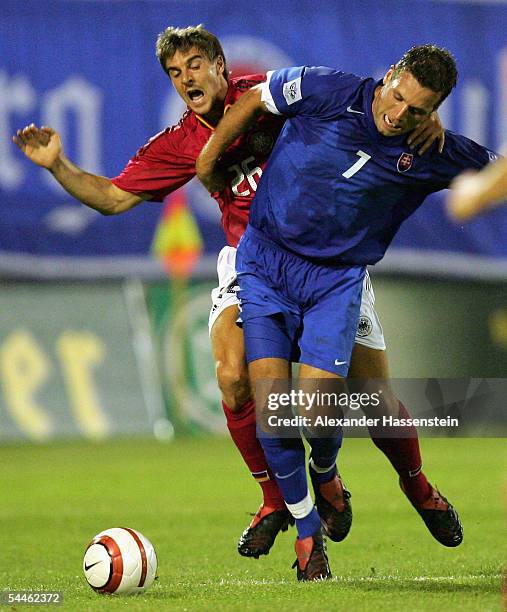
308	525
286	458
324	454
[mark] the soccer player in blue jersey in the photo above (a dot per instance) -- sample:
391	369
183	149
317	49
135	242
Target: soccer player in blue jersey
339	183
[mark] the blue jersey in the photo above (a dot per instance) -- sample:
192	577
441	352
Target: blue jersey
335	189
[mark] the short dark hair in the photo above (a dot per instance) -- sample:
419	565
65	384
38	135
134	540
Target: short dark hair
432	66
183	39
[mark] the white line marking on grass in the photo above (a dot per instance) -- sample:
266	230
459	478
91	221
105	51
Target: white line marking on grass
352	579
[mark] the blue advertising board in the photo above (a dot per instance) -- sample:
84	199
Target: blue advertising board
88	69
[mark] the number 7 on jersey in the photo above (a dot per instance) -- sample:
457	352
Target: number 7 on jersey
363	158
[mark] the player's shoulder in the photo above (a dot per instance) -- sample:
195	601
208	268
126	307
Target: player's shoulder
457	144
455	140
245	82
328	90
173	136
316	82
325	87
326	78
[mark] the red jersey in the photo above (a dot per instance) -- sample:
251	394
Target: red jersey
168	159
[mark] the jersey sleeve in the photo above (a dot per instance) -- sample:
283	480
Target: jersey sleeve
159	167
461	153
304	90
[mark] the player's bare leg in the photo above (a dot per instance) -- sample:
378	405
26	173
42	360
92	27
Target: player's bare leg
230	364
286	457
401	447
239	408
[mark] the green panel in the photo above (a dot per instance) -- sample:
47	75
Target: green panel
441	329
67	363
446	329
179	314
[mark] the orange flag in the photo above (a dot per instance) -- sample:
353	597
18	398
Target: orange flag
177	241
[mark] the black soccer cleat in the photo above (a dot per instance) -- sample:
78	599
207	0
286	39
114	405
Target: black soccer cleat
441	519
333	505
312	563
260	535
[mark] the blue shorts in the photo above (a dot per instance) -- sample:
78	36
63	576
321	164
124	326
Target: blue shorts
294	309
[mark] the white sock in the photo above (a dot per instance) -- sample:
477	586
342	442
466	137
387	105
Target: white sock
318	469
302	508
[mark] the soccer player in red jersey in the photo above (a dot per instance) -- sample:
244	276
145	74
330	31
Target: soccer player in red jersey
194	61
473	193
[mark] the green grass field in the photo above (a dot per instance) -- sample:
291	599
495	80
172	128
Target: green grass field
191	498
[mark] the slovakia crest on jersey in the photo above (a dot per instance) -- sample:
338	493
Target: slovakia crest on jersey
405	162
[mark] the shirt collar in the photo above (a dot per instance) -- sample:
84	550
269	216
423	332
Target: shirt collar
229	99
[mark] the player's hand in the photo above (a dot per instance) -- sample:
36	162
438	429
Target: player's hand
41	145
425	134
462	202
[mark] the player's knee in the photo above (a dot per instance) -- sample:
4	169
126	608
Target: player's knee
233	381
387	406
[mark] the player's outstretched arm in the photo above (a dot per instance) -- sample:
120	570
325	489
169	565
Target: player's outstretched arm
234	123
43	147
425	134
475	192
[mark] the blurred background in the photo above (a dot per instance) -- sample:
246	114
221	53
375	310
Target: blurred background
103	331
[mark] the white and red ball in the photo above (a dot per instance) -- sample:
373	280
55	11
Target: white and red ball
120	560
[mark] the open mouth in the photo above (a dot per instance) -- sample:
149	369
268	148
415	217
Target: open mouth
195	95
391	125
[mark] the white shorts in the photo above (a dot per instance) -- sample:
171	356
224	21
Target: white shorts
369	330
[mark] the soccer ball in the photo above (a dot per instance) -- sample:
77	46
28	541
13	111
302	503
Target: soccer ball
120	560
